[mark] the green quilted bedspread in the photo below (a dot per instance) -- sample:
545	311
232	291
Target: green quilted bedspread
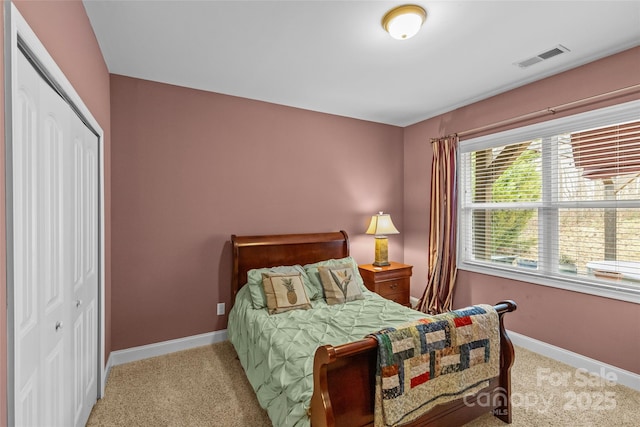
277	350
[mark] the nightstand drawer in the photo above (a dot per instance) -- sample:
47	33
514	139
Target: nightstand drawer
400	298
389	287
383	275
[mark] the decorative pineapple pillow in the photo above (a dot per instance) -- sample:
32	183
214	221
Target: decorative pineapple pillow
254	281
340	284
284	292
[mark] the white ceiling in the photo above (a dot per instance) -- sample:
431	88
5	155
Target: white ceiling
334	56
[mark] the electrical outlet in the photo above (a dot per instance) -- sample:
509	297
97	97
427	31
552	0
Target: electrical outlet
220	308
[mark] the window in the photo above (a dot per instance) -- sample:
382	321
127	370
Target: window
556	203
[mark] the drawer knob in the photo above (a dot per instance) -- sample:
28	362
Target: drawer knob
393	285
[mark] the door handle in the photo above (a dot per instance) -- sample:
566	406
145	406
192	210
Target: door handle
78	303
58	325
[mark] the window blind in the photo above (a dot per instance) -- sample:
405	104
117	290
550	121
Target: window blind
565	204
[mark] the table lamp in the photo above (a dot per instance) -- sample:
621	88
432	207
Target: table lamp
380	226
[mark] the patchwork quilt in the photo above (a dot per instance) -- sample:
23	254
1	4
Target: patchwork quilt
434	360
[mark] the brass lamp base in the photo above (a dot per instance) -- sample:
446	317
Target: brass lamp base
382	251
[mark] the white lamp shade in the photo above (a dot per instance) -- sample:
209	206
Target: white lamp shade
404	22
381	225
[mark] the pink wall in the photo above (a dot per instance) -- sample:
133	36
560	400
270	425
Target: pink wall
570	320
63	27
190	168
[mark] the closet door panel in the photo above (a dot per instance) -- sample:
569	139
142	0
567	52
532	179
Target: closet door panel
54	133
26	318
83	204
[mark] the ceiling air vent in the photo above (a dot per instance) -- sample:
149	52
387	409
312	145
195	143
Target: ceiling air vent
542	56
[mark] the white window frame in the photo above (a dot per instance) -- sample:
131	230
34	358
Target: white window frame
620	113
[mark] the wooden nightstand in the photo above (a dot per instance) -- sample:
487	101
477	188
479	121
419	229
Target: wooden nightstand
392	282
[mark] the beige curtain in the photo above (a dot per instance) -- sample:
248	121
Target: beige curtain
438	295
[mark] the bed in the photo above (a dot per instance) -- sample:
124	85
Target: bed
322	371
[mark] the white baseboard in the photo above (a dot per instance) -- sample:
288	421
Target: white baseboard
107	371
624	377
161	348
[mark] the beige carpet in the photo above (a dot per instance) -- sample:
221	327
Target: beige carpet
206	386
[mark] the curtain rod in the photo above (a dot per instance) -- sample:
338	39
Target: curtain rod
553	110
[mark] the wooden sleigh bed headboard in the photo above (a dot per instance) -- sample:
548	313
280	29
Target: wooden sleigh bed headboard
282	249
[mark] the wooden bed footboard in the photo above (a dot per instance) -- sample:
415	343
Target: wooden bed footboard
344	381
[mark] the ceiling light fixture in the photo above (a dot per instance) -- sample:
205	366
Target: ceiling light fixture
404	22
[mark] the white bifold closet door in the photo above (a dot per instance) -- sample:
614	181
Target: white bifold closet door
55	257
